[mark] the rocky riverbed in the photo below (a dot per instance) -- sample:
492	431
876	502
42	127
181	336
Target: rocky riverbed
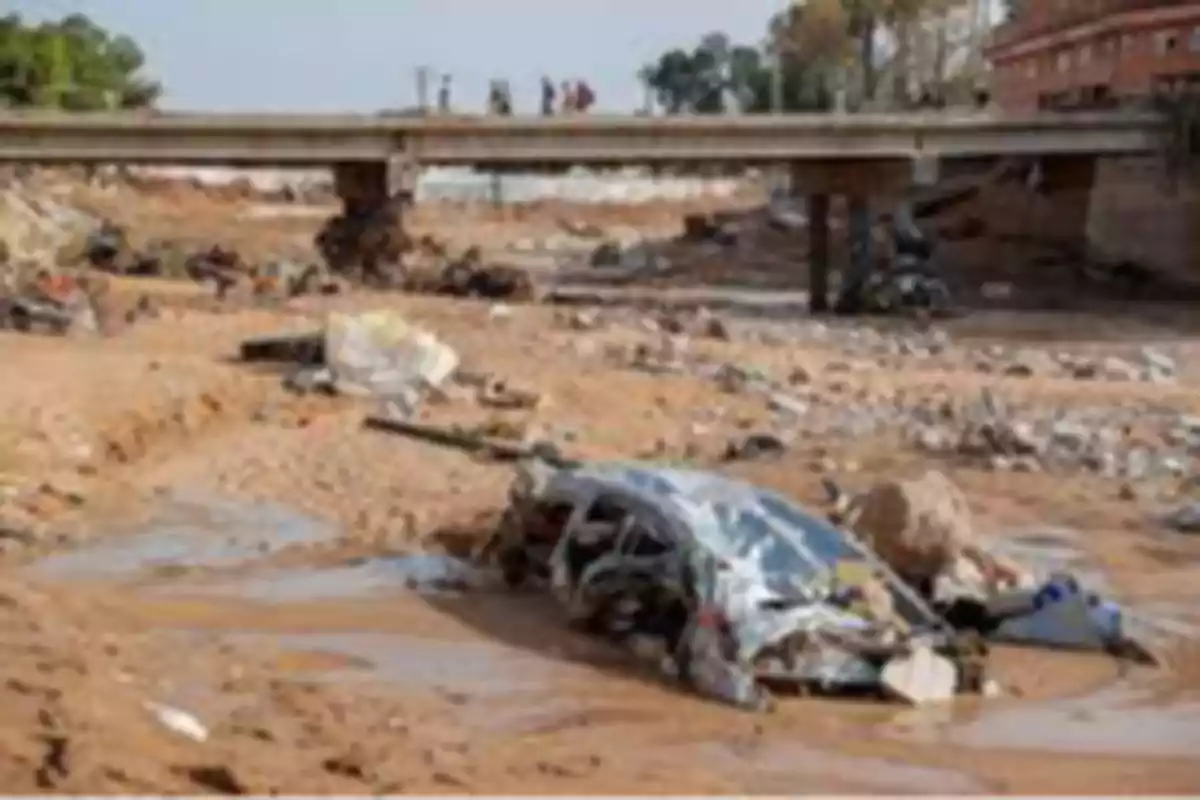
263	595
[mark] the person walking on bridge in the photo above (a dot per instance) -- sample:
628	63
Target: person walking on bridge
585	98
567	97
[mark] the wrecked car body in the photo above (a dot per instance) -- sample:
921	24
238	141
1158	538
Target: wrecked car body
727	588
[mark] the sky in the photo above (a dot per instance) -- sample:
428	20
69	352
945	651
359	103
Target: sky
362	55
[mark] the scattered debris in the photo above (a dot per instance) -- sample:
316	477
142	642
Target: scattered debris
1186	518
923	529
54	303
468	276
372	354
472	440
306	349
178	721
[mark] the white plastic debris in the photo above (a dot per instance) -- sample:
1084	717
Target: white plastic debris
920	677
179	721
380	354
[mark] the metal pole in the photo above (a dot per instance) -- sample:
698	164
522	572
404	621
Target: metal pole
777	85
781	46
423	89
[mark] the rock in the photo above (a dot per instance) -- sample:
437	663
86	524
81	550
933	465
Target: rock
1116	369
732	378
18	525
1159	365
918	526
786	404
756	445
606	254
1029	363
584	320
1186	518
799	376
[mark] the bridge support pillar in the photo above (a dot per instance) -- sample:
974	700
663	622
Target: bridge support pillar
818	253
1067	183
368	240
861	181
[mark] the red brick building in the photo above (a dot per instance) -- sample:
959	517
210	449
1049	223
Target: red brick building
1094	53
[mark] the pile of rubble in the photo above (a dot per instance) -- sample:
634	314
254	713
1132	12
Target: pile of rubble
1137	443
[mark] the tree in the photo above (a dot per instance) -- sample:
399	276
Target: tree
719	74
73	65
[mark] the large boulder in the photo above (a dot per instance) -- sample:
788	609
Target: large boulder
919	526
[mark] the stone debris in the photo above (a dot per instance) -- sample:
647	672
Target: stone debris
1186	518
1141	442
919	526
468	276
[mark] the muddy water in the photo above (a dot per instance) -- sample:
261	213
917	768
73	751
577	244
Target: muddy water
1119	720
773	767
425	572
188	532
476	668
519	672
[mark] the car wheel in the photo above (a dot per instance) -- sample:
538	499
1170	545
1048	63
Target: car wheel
20	320
514	567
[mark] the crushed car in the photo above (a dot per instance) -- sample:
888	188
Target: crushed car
727	588
741	594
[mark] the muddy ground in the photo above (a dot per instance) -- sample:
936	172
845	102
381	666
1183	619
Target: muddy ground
185	533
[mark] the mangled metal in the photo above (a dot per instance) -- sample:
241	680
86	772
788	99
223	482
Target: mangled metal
728	588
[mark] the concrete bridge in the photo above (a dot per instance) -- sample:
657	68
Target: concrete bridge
290	140
373	157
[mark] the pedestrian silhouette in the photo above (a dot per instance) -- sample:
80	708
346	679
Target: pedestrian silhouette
548	97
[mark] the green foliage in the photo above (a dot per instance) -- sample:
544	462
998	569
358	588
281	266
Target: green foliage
72	64
718	76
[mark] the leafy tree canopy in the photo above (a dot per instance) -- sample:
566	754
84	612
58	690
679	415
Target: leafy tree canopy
718	75
813	46
72	64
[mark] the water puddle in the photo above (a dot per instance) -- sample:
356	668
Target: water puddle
784	767
186	533
476	668
1114	721
1050	550
424	572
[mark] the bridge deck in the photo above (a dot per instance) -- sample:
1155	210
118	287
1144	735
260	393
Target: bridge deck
309	140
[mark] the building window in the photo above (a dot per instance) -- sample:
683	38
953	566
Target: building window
1194	40
1031	68
1127	41
1165	42
1085	55
1063	61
